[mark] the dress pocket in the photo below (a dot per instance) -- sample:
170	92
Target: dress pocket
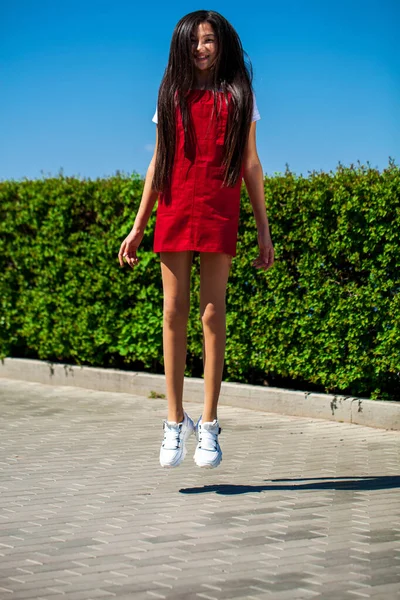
223	202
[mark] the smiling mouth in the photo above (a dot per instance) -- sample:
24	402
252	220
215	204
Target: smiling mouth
201	57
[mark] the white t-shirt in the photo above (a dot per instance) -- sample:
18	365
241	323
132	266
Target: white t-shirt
256	114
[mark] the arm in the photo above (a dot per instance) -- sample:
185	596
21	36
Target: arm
254	180
149	196
131	243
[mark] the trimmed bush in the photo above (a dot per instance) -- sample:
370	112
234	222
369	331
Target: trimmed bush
325	317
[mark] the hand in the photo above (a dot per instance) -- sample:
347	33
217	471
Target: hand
265	259
128	248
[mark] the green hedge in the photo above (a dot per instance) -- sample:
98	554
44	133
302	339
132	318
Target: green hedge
325	317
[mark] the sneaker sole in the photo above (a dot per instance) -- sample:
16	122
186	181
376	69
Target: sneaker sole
212	465
176	463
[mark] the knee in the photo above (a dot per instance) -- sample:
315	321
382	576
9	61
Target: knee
212	316
175	310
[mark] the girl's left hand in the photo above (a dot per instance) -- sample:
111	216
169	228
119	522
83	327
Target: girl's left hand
265	259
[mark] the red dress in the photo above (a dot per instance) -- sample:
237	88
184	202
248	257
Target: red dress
195	212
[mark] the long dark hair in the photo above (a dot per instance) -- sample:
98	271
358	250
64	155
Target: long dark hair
230	73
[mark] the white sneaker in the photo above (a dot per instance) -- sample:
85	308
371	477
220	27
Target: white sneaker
173	449
208	453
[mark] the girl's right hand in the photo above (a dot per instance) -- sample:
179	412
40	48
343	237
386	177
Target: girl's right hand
128	248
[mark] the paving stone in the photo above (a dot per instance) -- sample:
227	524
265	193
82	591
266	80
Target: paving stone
309	509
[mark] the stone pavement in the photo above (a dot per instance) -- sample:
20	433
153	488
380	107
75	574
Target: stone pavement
299	508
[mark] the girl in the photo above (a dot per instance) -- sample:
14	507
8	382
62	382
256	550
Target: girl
205	145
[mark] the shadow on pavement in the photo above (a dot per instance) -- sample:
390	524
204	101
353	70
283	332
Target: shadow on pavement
313	483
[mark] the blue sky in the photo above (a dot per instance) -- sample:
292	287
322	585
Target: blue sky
79	82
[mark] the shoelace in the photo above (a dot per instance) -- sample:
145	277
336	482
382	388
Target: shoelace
172	436
208	440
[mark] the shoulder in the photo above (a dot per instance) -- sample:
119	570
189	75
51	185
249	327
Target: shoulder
256	112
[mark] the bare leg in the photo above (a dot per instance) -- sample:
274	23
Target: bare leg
175	270
214	273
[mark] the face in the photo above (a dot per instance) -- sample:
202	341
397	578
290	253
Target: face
204	46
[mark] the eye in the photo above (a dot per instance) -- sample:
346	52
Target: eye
206	41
